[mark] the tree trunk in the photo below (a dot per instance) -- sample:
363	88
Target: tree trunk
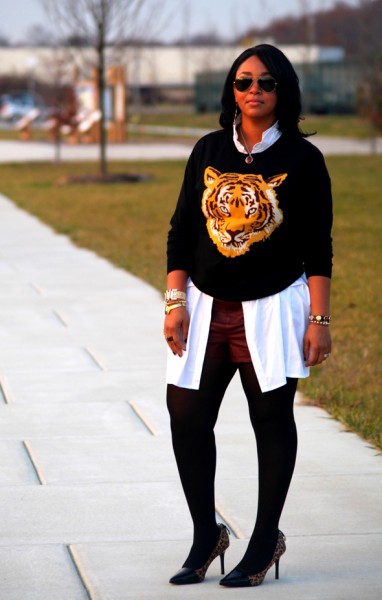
101	99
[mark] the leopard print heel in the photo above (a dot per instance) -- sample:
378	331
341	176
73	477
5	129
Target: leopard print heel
187	575
238	579
279	551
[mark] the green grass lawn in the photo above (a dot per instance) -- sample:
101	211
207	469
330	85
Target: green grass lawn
348	126
349	384
128	224
351	126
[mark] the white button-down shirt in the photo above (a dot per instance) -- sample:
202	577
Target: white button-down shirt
270	136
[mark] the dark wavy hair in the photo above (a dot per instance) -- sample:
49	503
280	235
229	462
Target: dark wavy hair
288	107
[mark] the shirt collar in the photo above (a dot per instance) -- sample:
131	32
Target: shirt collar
269	137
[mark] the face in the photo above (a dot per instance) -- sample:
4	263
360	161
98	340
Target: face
255	103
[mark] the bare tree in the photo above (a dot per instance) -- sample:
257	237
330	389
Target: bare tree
370	58
307	17
62	100
4	40
102	23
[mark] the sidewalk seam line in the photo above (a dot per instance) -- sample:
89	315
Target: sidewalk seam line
229	522
34	463
142	418
60	318
37	289
81	572
95	359
4	393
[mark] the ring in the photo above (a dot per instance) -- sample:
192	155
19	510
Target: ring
169	339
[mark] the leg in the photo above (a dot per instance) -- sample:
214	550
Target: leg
193	417
273	422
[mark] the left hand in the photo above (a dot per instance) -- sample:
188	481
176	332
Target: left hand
317	344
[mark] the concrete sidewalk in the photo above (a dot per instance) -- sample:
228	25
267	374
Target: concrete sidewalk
16	151
90	499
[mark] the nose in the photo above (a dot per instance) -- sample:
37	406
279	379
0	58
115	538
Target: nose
233	233
258	88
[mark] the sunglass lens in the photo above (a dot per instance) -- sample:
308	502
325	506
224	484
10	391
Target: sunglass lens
243	84
267	84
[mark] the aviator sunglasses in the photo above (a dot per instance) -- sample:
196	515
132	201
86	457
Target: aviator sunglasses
266	83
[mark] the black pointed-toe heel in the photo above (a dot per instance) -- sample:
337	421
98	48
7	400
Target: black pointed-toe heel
238	579
187	575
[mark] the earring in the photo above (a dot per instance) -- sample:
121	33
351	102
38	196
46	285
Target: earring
235	115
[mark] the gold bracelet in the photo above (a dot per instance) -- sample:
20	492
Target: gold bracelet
169	307
170	302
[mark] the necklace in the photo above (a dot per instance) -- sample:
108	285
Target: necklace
248	159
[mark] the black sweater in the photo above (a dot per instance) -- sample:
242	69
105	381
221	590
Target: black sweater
246	231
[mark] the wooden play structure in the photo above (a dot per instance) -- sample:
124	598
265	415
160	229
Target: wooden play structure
83	126
24	125
86	126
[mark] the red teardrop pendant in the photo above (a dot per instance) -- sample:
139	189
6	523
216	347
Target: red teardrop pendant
249	159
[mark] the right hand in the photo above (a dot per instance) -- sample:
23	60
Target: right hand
176	326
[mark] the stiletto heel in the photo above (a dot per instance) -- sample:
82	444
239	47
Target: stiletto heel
222	562
238	579
187	575
277	568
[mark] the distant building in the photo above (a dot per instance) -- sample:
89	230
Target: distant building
152	65
156	72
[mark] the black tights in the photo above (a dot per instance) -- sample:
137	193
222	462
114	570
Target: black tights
193	417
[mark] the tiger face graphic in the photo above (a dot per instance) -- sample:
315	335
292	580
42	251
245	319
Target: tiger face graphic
240	209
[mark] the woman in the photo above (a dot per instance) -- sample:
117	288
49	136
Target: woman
249	267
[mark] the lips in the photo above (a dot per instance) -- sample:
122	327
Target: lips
254	102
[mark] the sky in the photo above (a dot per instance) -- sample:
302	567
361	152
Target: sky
227	18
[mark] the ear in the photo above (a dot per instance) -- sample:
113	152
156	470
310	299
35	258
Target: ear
276	180
210	176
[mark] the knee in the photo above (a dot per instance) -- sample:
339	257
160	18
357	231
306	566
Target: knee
190	425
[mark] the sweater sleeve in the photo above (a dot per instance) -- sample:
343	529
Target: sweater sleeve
181	237
318	216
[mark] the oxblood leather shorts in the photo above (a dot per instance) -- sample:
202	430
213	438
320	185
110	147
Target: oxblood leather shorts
227	334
